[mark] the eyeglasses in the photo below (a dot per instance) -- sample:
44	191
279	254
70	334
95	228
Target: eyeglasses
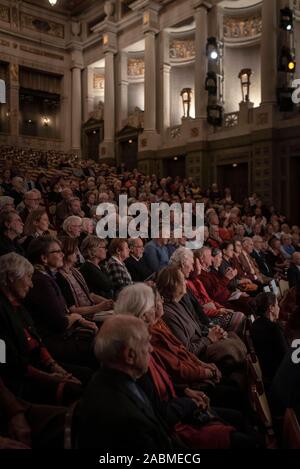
56	251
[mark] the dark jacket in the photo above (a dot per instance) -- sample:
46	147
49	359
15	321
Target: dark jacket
47	305
114	415
7	246
262	263
13	320
293	275
138	269
270	346
97	281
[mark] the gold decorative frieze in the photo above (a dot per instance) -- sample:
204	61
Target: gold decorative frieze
136	67
43	53
182	49
241	28
4	14
98	81
43	26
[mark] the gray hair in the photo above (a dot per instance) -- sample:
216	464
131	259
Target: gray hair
5	200
15	266
181	256
69	220
199	253
116	333
135	299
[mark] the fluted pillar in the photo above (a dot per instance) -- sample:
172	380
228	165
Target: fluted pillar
122	87
76	109
164	91
14	87
88	100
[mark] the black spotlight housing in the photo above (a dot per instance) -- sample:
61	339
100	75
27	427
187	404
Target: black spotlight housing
286	19
215	115
211	83
212	49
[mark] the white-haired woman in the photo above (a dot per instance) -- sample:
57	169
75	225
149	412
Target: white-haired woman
30	369
141	301
229	320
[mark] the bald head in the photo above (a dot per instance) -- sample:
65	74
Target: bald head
123	343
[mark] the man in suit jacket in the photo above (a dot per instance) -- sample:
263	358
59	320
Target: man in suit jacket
135	263
114	414
259	257
293	272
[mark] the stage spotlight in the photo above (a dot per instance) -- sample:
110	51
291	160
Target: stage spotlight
286	19
212	50
287	62
211	83
215	115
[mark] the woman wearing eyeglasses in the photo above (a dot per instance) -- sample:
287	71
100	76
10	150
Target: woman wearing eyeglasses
56	325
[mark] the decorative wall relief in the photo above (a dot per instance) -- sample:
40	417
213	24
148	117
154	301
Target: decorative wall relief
136	67
98	81
4	14
182	49
238	27
14	72
39	24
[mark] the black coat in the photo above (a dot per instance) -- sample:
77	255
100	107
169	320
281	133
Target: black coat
113	418
270	346
293	275
97	281
262	263
138	269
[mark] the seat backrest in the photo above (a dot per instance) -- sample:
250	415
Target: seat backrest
283	287
291	430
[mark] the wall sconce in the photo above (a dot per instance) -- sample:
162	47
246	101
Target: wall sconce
215	115
186	96
211	83
286	19
212	49
46	121
244	77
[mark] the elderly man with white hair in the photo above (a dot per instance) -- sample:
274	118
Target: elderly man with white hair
114	414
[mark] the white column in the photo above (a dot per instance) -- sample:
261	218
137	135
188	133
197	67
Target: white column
122	89
150	83
200	61
14	87
76	109
109	98
88	100
165	70
269	51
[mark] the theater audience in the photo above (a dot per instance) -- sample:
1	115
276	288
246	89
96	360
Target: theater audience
293	273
